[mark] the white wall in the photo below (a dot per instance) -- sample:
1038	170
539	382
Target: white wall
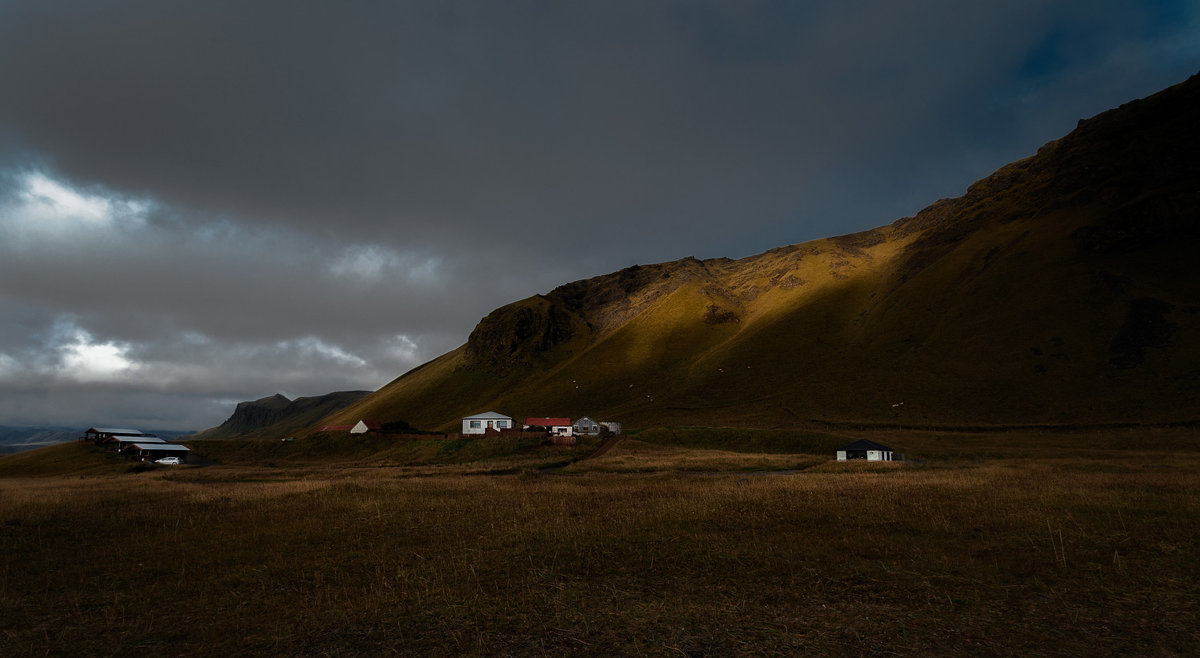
485	424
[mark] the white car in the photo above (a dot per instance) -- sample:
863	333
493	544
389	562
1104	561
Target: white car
174	461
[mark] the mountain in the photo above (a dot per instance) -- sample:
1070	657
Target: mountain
276	416
1062	289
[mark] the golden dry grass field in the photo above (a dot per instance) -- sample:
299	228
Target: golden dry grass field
1012	543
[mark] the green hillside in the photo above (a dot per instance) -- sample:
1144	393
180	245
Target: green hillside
1063	289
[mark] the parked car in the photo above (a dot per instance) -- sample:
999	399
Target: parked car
174	461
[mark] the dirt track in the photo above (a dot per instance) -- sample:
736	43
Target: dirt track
604	447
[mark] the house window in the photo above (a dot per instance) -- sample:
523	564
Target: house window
475	424
501	424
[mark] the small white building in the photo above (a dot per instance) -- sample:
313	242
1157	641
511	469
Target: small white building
365	426
481	423
864	449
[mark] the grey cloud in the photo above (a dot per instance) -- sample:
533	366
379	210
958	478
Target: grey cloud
465	147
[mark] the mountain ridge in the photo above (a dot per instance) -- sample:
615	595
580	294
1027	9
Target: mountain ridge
277	416
1059	290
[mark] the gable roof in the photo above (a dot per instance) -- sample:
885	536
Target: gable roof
370	424
487	415
864	444
160	447
146	438
548	422
114	431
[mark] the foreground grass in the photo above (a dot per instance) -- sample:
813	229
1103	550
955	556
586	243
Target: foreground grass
1054	555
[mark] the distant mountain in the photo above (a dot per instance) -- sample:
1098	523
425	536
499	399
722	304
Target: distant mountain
276	416
1062	289
19	439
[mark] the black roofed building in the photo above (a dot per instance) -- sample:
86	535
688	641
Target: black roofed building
123	442
106	434
864	449
151	451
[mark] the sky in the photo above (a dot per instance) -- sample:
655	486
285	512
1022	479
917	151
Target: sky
209	202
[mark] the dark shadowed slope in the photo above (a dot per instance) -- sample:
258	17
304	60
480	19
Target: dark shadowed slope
276	416
1062	289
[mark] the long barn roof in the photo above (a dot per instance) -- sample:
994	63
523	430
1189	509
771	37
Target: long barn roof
864	444
145	438
115	432
487	415
548	422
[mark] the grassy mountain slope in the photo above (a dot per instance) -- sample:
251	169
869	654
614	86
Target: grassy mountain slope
276	416
1064	288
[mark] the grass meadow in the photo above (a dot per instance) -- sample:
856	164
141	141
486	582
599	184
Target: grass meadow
998	544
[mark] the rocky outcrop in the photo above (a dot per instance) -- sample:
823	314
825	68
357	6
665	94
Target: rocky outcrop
276	416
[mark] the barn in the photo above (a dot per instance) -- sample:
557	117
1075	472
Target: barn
124	442
106	434
864	449
152	451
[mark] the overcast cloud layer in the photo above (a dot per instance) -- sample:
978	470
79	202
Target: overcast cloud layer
202	203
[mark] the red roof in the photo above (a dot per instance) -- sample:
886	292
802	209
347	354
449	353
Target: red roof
336	428
372	424
547	422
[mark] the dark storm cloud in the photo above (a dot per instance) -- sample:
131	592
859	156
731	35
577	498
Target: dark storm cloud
312	194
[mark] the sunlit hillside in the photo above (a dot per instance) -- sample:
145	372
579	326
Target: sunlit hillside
1063	289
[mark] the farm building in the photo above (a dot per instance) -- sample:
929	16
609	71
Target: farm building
120	443
489	420
152	451
106	434
364	426
864	449
586	427
553	426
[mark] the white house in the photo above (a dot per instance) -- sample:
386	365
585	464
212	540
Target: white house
864	449
481	423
